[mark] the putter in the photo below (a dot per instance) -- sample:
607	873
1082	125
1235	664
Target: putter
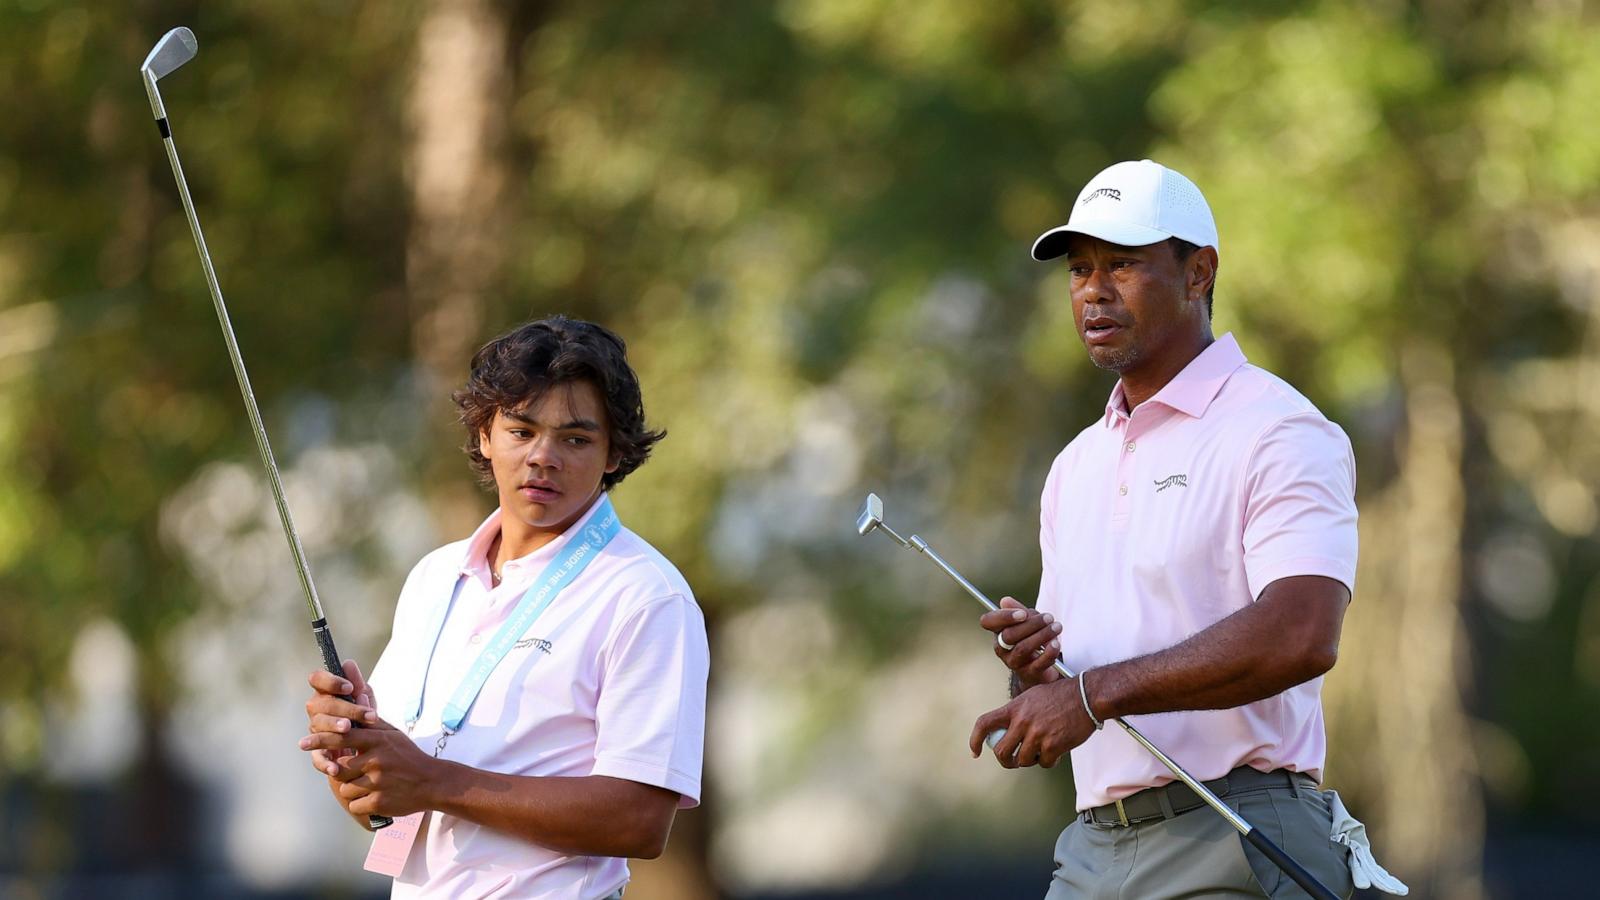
175	48
871	519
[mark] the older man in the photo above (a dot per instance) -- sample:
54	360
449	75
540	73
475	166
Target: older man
1199	550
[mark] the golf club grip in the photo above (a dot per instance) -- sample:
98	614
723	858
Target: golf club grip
331	662
1291	868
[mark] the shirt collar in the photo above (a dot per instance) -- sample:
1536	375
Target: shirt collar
475	563
1191	390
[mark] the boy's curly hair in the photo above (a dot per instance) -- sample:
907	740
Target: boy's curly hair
515	369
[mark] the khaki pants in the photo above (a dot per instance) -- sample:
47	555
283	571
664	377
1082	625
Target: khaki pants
1198	854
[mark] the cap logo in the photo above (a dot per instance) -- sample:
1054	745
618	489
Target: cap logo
1113	193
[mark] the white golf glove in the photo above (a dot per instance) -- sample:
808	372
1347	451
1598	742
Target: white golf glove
1364	870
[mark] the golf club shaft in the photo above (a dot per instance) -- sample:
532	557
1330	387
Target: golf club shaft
319	623
257	429
1260	841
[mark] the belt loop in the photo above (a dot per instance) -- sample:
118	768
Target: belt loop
1122	814
1294	784
1166	803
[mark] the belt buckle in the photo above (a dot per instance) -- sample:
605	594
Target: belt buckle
1122	814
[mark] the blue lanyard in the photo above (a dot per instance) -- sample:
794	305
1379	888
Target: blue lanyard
602	527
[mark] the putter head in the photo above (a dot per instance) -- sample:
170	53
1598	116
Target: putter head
871	515
871	519
175	48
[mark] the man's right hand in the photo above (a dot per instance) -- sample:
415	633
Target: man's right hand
1032	636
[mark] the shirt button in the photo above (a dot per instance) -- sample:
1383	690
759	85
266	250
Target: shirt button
478	638
1123	490
1128	446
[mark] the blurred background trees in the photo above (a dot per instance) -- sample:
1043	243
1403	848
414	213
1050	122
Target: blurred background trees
810	219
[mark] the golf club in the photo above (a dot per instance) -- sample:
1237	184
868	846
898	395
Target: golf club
871	519
175	48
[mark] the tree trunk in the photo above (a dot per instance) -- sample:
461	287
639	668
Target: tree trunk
1400	678
460	101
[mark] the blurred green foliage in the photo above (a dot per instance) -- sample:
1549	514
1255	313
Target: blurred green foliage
810	219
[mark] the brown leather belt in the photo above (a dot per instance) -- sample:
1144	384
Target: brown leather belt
1176	798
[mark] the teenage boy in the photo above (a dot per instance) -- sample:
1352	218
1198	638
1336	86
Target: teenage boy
539	710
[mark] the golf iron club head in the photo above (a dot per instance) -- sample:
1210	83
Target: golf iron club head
175	48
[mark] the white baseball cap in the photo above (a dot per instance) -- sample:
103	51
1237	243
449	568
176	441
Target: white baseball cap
1133	204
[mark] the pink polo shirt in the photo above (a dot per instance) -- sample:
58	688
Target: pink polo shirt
609	680
1158	524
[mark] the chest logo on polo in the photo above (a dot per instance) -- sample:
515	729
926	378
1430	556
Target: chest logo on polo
540	644
1172	481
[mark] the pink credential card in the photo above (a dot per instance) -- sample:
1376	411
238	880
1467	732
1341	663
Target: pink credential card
392	845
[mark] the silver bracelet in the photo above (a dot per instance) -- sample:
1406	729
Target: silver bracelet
1083	693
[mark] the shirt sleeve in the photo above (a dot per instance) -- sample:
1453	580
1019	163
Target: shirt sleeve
650	719
1300	509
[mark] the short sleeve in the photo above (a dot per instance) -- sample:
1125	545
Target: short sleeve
1300	509
650	719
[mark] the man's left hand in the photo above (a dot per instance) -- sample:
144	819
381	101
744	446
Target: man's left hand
1042	724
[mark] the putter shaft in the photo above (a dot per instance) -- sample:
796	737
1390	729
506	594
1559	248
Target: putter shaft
1205	793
